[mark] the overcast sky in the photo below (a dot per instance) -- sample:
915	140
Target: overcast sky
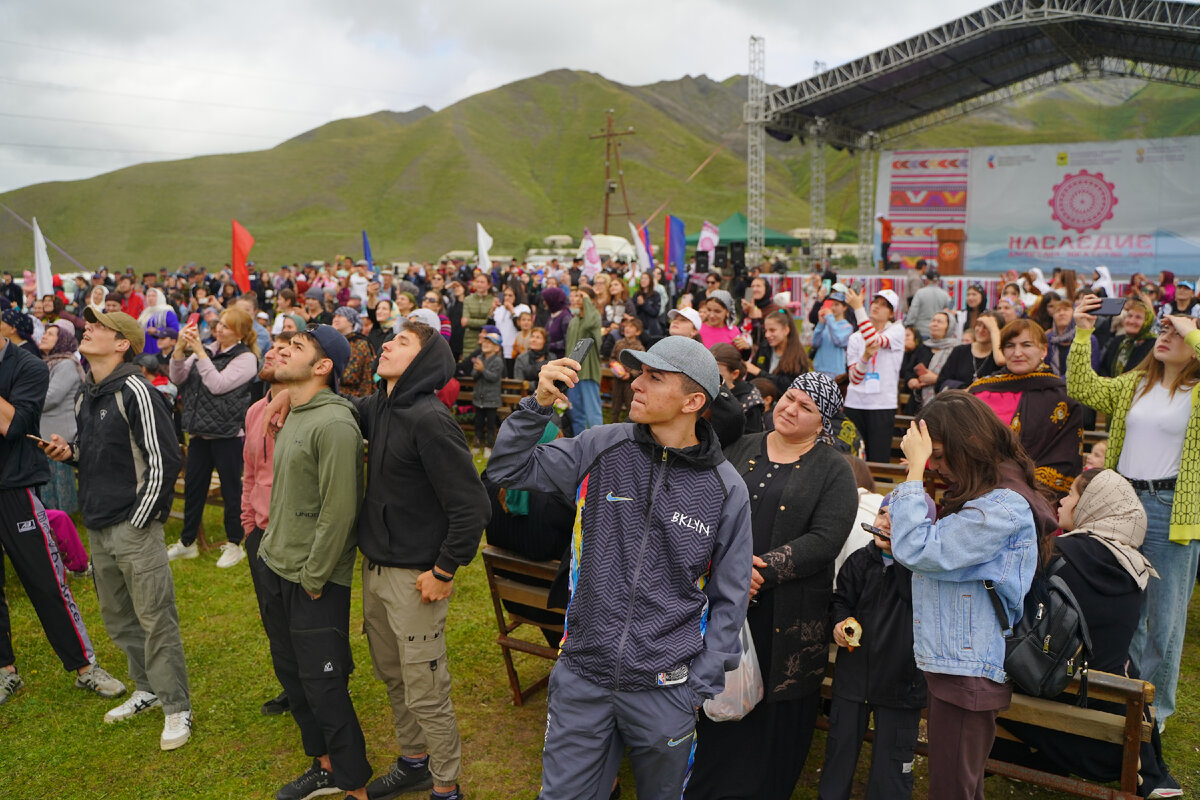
91	87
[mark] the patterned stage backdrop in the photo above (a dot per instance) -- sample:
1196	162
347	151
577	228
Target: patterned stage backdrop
920	191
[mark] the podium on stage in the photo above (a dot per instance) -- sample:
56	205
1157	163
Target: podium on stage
950	253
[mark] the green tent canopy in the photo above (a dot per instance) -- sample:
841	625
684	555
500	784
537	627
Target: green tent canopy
733	229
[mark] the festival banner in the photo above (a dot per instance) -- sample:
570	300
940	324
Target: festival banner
591	257
1129	205
710	237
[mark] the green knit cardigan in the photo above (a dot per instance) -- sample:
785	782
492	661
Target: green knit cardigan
1114	396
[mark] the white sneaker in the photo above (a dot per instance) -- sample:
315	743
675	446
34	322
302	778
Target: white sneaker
176	730
138	702
230	554
180	550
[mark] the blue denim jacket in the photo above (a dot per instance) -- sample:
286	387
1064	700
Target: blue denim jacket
955	630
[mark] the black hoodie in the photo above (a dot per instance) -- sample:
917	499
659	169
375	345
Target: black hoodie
126	450
425	504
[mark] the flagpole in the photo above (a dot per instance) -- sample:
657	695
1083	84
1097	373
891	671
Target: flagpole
47	238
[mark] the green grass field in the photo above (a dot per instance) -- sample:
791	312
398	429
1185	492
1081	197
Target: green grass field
53	742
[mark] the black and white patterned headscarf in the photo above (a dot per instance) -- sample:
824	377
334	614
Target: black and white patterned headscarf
825	393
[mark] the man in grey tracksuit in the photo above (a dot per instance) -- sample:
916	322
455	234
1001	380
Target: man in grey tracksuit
660	570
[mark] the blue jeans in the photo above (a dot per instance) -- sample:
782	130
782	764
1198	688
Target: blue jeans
585	406
1157	643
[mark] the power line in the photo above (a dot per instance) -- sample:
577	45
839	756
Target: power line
98	149
139	126
209	70
111	93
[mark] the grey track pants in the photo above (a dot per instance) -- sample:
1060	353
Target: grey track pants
586	724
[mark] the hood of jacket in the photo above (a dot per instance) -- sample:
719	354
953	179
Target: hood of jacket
324	399
114	381
429	371
706	453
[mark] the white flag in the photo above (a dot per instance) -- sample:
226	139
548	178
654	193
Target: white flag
41	263
485	244
710	237
591	258
644	263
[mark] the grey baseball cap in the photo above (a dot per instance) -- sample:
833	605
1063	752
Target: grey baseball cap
679	354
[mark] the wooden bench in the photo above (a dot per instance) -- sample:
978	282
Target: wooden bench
533	591
1129	730
512	391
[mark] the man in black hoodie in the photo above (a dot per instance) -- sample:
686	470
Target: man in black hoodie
411	548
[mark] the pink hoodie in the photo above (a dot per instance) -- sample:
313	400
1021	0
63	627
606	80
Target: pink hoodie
258	471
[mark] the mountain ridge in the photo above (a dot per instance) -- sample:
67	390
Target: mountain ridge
517	158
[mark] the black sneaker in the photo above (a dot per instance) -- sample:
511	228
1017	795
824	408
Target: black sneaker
315	781
276	706
1167	787
403	778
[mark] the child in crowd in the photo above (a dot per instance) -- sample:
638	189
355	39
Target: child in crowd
1095	458
876	672
684	322
153	371
716	314
768	390
488	373
733	373
622	384
524	329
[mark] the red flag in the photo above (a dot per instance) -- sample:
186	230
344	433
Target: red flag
242	242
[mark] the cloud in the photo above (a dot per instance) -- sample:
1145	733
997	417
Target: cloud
124	82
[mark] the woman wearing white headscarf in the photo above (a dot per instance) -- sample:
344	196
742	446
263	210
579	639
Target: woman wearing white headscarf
1103	525
1038	278
157	319
95	299
1102	282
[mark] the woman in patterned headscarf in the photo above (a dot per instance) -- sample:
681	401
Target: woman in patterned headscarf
802	497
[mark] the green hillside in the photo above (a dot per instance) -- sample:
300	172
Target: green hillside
518	159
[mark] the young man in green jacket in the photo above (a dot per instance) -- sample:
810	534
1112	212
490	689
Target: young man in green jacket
309	552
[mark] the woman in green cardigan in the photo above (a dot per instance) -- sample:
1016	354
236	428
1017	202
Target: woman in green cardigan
1153	410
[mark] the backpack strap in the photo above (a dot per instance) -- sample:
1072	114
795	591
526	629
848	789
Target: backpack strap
998	606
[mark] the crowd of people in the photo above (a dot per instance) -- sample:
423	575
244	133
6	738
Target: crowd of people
727	495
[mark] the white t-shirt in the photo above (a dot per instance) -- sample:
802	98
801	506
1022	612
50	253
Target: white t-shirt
358	287
886	363
1154	430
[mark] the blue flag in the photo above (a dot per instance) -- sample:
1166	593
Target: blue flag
367	255
675	246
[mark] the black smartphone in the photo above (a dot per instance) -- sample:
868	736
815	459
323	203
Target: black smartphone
871	529
1110	307
577	355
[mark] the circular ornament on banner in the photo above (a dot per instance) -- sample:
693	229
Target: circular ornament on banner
948	251
1083	201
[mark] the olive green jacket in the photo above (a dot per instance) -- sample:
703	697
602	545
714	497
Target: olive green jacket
316	494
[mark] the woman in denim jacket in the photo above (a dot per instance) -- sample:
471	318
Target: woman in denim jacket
988	531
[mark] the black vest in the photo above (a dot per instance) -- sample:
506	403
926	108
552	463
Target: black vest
218	416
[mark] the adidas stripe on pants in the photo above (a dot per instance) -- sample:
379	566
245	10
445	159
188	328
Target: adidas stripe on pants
26	539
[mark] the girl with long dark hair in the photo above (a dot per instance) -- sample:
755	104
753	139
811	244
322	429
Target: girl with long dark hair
988	531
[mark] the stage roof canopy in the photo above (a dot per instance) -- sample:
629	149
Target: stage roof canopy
1005	50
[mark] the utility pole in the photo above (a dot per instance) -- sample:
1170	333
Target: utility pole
612	150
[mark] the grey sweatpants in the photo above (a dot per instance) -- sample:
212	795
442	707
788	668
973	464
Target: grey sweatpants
585	723
137	603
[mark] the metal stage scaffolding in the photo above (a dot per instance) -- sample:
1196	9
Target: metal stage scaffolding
1005	50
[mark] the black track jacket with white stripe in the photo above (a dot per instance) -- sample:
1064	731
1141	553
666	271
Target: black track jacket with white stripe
126	450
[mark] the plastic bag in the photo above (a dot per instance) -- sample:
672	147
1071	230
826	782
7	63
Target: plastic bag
743	686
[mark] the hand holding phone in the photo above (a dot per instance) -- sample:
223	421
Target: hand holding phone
577	355
1110	307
